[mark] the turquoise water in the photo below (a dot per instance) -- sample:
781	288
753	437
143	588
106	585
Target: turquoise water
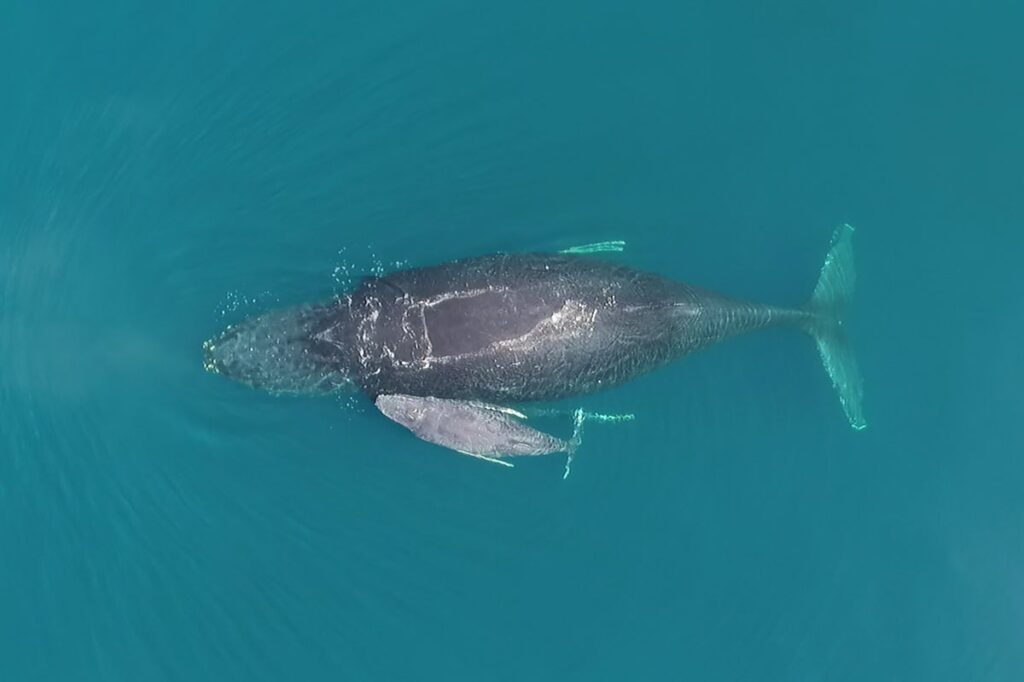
166	171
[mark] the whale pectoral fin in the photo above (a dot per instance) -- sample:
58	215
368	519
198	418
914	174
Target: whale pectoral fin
614	246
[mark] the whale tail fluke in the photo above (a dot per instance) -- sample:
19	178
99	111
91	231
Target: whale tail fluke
825	324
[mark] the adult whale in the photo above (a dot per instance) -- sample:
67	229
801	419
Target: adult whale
513	328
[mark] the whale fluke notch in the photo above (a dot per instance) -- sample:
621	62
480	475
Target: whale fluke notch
828	303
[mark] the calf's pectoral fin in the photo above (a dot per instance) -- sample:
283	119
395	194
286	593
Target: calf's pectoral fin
486	458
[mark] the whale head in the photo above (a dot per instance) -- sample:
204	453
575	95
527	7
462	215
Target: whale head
409	411
279	352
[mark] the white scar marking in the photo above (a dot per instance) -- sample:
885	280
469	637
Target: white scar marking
573	320
471	293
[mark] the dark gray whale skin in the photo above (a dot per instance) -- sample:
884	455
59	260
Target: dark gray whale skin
522	327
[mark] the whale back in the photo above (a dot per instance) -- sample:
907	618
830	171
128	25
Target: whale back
518	327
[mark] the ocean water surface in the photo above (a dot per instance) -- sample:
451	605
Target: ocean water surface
168	170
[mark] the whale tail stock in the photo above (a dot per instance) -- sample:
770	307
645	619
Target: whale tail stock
825	324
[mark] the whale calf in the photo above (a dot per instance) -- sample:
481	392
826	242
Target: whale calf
484	332
472	428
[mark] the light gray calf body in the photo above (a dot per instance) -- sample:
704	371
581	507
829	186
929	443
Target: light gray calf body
472	428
